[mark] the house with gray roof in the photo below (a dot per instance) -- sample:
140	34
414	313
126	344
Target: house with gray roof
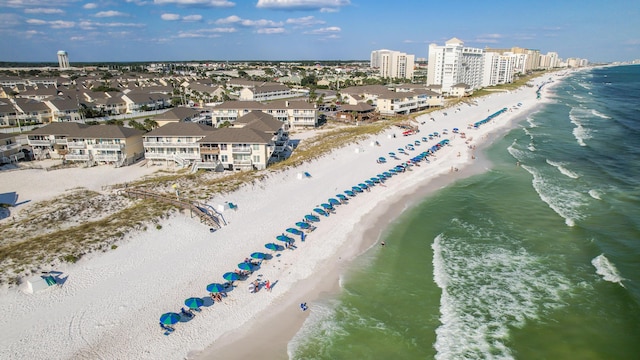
90	144
175	141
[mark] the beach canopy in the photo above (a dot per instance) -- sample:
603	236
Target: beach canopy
274	247
333	201
327	206
303	225
258	255
363	186
371	183
350	193
312	218
231	276
424	138
284	238
169	318
321	212
375	180
194	302
342	197
214	288
357	189
295	231
245	266
392	154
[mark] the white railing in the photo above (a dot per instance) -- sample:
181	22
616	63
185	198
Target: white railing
108	146
40	142
78	157
76	145
241	150
109	157
157	156
168	144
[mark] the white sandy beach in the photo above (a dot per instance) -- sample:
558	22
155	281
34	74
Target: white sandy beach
110	303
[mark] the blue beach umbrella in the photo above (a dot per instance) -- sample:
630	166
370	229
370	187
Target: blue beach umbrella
312	218
321	212
327	206
194	302
258	255
392	154
170	318
231	276
387	174
245	266
363	186
303	225
342	197
424	139
375	180
350	193
215	288
333	201
274	247
357	189
295	231
284	238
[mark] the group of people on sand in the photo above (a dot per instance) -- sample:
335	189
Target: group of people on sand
217	297
256	285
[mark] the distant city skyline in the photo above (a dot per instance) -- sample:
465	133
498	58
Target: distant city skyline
184	30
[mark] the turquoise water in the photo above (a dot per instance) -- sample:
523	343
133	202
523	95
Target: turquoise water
537	261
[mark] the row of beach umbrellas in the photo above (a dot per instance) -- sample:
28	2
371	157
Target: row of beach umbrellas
324	209
477	124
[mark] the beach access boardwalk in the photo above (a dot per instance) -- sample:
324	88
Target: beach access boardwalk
205	213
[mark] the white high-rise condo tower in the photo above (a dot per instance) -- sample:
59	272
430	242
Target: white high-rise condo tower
63	59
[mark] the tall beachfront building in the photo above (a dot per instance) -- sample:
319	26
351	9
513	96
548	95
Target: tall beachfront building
499	68
528	59
453	64
63	59
393	64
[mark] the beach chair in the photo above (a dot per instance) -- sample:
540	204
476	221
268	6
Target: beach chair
306	174
233	206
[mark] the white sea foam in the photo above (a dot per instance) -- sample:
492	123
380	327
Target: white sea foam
518	154
606	269
560	166
487	289
599	114
595	194
563	201
321	325
579	132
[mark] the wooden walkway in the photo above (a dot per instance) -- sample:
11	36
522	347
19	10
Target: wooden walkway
205	213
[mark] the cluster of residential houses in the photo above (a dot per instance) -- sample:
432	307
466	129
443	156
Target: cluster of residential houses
253	141
247	131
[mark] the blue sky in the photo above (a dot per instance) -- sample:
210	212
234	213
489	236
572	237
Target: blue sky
182	30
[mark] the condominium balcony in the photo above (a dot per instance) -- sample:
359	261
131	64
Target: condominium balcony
157	156
209	151
242	162
40	142
9	147
107	157
78	157
76	145
169	144
108	146
241	150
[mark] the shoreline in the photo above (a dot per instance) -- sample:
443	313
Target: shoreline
272	331
110	305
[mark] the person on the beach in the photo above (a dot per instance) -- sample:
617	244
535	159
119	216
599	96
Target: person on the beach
267	285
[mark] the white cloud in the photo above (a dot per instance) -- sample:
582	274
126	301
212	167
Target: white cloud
322	5
110	13
323	31
205	33
174	17
170	17
36	22
192	18
61	24
43	11
92	25
270	31
234	19
229	20
89	6
208	3
305	21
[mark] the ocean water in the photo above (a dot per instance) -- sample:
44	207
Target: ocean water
537	261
